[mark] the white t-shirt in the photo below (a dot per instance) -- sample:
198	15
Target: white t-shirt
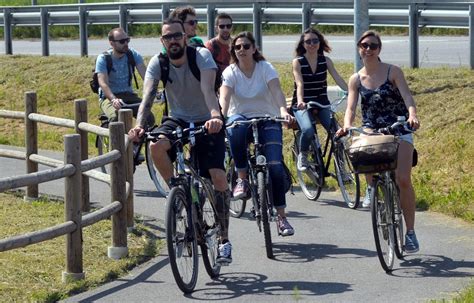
252	97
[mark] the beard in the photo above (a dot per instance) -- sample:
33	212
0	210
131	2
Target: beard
122	50
225	36
175	51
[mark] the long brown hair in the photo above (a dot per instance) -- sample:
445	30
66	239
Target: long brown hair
323	43
257	56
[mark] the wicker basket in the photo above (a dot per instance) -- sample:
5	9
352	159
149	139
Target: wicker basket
373	154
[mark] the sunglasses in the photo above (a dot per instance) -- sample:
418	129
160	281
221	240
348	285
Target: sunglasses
175	36
122	41
312	41
245	46
228	26
192	22
371	46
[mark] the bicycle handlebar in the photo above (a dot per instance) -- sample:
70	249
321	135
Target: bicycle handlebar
316	105
254	120
389	130
179	133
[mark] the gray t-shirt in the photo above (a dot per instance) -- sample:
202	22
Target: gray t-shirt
183	91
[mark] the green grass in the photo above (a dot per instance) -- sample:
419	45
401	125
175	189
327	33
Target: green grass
33	273
443	179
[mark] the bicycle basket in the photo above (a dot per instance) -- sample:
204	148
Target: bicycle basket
373	154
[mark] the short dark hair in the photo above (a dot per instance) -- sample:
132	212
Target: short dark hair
171	21
323	43
257	56
223	16
113	31
181	12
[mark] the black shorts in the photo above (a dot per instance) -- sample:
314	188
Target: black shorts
210	149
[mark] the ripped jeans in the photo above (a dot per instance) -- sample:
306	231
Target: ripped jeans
270	136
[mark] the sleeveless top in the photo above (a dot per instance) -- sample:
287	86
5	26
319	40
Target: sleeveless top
314	84
381	106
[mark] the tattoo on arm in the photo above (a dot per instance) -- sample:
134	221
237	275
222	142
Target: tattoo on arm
149	92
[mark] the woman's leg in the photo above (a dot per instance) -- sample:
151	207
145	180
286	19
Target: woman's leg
303	117
403	176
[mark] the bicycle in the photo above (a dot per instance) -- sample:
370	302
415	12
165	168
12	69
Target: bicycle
313	178
386	211
259	180
191	218
102	142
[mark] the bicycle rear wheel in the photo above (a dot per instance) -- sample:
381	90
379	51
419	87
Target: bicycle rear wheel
347	178
181	241
102	144
160	183
237	206
381	211
210	231
262	196
398	223
312	179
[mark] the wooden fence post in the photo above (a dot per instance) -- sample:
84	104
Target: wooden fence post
31	143
119	247
72	207
126	116
80	115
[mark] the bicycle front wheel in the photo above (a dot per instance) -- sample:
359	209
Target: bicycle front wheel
262	196
381	210
210	231
160	183
312	179
237	206
398	223
347	178
181	241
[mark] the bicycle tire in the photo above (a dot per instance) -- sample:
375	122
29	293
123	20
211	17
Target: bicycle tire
210	230
311	180
181	241
398	222
347	178
102	144
160	183
262	196
382	225
237	206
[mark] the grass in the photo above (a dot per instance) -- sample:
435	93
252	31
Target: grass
443	179
33	273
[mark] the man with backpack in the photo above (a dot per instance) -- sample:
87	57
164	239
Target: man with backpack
190	100
219	46
115	70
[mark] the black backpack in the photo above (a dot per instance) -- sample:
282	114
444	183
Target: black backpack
94	83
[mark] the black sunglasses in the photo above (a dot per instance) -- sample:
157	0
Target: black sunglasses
175	36
311	41
192	22
222	26
371	46
244	45
122	41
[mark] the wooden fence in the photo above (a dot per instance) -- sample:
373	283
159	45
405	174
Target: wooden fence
76	169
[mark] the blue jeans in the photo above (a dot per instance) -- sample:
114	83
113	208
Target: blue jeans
305	121
271	137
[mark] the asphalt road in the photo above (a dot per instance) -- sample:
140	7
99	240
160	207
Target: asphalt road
433	51
331	257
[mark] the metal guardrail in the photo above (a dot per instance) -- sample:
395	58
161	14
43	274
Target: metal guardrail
407	13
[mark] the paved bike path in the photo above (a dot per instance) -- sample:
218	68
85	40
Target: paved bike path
331	258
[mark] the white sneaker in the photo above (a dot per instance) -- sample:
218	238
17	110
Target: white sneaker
366	201
302	163
224	254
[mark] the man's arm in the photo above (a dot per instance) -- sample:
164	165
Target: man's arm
208	77
149	93
141	68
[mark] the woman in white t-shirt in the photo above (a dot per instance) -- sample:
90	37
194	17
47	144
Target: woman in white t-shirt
251	88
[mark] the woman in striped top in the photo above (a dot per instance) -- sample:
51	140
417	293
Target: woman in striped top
310	69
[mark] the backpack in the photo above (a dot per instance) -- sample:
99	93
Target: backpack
94	83
165	71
